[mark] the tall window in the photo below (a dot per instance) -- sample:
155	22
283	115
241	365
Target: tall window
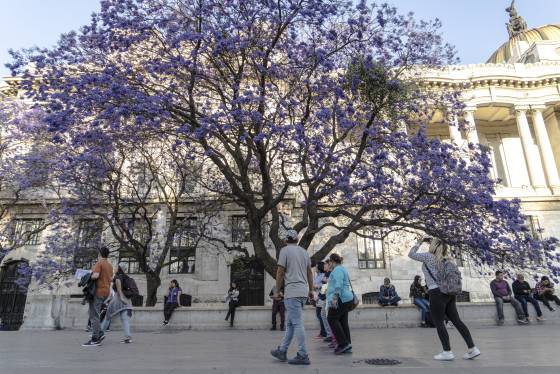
182	255
532	223
371	254
129	262
89	239
27	231
240	229
140	230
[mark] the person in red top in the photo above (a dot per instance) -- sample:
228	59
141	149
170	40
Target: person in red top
102	273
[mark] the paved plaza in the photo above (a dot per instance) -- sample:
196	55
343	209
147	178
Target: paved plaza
510	349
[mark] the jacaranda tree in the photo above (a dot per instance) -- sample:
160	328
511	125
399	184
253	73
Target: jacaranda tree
312	106
24	174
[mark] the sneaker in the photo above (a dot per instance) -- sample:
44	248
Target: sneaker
92	343
282	328
328	339
108	329
278	354
445	356
126	341
101	338
342	350
299	360
319	337
551	309
165	323
471	353
500	322
332	345
541	318
273	328
522	321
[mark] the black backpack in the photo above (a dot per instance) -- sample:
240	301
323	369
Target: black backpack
129	287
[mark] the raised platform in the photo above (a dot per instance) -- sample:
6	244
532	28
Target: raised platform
58	312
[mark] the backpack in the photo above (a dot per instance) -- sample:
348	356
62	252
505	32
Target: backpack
129	287
449	278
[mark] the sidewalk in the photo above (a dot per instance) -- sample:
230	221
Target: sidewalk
508	349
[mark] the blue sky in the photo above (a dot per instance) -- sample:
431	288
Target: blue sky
475	27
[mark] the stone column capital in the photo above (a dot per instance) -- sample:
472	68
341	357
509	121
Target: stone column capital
521	108
538	107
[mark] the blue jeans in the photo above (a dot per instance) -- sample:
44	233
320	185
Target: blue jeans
294	319
524	299
124	321
323	332
423	305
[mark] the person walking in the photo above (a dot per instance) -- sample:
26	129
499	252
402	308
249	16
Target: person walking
418	295
441	305
232	299
339	300
119	304
522	292
102	273
502	294
295	277
277	308
172	301
319	298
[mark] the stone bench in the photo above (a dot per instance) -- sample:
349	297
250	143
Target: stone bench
57	312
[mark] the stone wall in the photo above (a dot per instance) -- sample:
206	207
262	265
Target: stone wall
55	312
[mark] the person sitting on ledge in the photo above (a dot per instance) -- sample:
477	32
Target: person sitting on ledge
523	294
502	294
544	291
388	294
418	294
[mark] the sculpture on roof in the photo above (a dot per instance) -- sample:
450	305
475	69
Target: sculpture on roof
516	24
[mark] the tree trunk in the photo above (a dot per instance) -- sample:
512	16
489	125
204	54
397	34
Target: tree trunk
153	282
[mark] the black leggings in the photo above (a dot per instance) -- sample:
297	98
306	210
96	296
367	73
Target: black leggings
168	311
442	305
338	320
231	311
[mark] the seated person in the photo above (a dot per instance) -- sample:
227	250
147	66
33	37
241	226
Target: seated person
544	291
523	294
418	295
388	294
502	294
172	301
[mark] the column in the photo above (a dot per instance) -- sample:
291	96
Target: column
454	132
472	134
531	158
545	148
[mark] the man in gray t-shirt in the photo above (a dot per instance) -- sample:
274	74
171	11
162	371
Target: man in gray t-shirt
295	277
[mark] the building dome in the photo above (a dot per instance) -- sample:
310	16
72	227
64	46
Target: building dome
508	49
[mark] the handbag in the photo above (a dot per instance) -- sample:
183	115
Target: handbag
355	300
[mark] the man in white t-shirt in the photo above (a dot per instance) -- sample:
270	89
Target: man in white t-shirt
295	277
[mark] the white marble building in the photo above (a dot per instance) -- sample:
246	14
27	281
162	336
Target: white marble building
513	107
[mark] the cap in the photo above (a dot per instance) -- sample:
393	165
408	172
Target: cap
291	234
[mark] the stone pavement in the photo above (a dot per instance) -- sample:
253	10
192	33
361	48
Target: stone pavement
509	349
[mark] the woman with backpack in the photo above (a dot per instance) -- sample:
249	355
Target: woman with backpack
232	299
442	304
172	301
119	304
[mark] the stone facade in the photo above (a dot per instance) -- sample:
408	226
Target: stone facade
513	108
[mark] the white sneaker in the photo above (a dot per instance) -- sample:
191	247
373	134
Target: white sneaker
445	356
472	353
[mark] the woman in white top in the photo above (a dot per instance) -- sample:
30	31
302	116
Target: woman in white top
232	299
441	305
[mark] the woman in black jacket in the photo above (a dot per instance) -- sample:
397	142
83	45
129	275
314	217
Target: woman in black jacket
418	294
